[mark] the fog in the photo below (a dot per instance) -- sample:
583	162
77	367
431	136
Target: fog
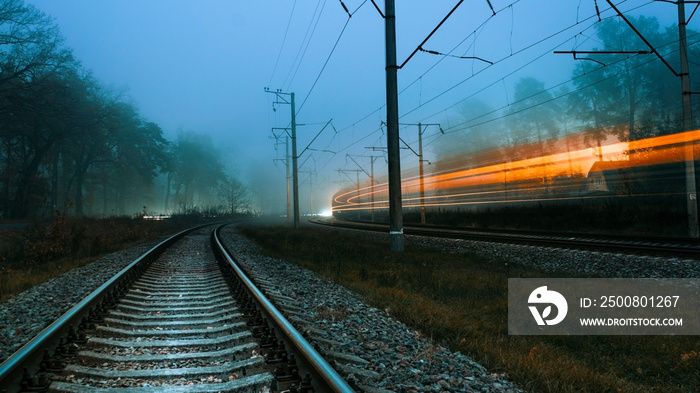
201	68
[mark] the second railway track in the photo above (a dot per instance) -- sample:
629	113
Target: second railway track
639	245
190	323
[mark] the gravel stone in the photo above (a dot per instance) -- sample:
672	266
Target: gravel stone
404	359
28	313
395	357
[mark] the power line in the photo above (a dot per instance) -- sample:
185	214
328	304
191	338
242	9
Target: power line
304	43
507	57
478	72
512	54
417	79
335	45
324	64
420	46
454	128
433	66
286	30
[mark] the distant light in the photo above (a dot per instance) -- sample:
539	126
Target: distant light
157	218
326	213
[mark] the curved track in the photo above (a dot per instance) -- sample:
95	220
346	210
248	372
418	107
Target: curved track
188	320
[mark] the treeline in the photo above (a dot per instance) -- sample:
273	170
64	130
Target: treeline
626	96
69	143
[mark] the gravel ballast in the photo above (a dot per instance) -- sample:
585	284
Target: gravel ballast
27	314
397	357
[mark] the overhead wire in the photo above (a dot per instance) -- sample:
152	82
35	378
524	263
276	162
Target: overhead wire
473	33
455	127
507	57
415	81
433	66
459	126
500	80
335	45
284	40
301	53
324	65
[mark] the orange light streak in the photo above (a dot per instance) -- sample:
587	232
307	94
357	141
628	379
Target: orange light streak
527	175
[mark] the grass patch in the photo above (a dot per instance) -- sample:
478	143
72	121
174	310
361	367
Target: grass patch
460	301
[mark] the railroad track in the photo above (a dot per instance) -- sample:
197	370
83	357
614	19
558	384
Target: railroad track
181	318
642	245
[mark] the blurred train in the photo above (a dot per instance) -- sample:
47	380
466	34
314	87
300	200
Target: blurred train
642	169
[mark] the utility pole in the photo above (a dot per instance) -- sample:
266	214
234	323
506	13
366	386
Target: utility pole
289	199
420	163
295	172
311	192
396	238
295	169
392	118
286	164
371	179
371	186
311	195
374	148
692	199
420	172
357	183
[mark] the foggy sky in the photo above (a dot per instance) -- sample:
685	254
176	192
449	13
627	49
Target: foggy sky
202	66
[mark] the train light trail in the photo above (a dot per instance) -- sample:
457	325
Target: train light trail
561	175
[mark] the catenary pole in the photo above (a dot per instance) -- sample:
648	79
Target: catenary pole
289	201
420	166
692	199
295	173
371	187
295	169
396	238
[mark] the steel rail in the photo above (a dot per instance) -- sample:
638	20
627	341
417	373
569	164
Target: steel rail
26	361
687	248
324	377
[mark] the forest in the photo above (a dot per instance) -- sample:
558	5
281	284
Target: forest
69	143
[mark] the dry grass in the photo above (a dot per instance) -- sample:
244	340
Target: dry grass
15	281
460	300
43	250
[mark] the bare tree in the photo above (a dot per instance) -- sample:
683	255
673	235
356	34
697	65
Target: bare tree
235	196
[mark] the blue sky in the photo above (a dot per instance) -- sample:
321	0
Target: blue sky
202	66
